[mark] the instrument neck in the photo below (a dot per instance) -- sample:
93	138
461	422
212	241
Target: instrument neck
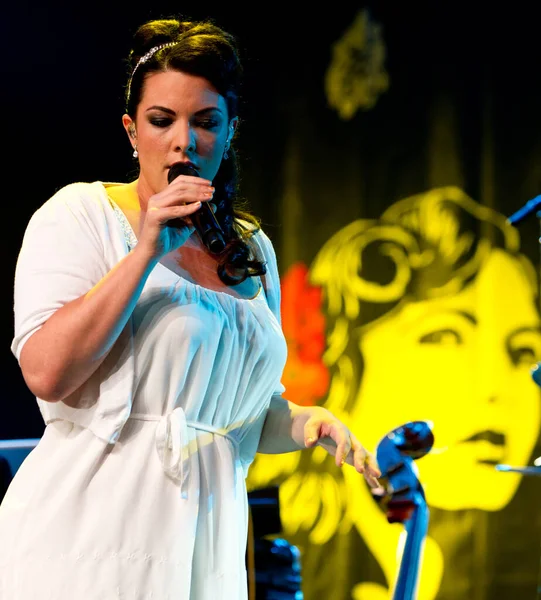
408	574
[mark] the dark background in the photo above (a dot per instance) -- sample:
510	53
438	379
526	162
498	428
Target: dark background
63	73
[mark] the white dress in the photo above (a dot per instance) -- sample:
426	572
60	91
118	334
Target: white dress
137	490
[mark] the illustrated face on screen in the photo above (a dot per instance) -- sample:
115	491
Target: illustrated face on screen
462	362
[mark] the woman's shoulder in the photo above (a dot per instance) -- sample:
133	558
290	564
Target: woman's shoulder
72	207
76	192
75	197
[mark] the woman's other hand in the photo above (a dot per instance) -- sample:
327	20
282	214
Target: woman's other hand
323	429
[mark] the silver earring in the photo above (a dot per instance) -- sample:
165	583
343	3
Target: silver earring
135	153
226	150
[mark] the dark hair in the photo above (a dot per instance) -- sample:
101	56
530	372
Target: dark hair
431	245
204	49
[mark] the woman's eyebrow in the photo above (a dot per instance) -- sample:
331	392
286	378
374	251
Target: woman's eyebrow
467	316
162	108
171	112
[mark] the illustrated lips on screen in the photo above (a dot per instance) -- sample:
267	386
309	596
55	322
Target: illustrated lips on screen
492	437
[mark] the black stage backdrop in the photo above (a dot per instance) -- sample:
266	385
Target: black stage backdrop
348	110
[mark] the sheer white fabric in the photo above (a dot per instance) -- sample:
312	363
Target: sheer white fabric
139	492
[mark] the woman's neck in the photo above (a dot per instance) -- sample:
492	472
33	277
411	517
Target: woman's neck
143	192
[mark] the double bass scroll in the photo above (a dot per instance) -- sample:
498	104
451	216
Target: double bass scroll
402	497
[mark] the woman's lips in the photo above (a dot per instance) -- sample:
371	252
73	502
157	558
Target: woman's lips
488	446
498	439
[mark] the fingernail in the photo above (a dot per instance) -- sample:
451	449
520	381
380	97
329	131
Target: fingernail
309	440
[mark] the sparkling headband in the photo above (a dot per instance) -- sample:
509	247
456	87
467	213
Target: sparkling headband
146	57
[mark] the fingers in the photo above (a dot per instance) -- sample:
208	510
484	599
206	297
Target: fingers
371	471
365	463
372	465
182	191
176	216
311	433
183	197
332	436
186	185
343	448
188	195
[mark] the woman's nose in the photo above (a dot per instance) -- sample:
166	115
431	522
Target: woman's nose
185	139
495	374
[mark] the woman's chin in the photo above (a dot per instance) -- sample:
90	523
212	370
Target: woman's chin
483	488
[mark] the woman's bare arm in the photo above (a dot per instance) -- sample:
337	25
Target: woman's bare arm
75	340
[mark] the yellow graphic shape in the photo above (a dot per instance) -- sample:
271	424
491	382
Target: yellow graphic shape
431	315
462	362
356	76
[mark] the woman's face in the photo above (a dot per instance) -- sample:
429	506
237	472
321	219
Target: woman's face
462	362
181	117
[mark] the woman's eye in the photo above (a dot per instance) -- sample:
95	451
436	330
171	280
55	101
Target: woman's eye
207	123
160	122
524	355
445	337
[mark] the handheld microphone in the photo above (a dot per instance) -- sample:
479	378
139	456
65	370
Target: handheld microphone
203	219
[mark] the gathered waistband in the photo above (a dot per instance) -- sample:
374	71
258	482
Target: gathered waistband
172	442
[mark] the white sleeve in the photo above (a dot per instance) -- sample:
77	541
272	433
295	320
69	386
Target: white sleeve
61	258
272	284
